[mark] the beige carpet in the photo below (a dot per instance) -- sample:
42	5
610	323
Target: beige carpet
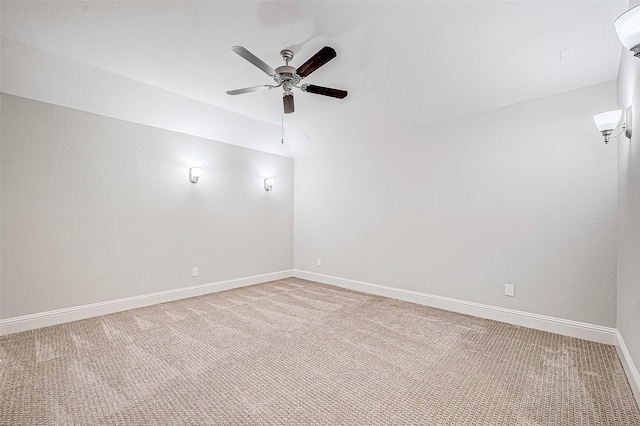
300	353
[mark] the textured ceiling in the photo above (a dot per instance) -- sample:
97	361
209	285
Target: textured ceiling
405	64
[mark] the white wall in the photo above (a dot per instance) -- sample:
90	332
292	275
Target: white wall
525	194
628	321
96	209
36	74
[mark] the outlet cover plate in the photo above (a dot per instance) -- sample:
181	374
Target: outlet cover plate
509	290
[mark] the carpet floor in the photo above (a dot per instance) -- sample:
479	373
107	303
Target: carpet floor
295	352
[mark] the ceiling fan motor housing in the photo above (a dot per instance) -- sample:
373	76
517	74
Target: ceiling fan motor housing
286	74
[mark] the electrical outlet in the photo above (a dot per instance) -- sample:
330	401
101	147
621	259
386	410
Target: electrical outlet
319	262
194	271
509	290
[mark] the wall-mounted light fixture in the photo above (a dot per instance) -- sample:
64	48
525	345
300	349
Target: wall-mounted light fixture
628	29
268	184
194	174
607	121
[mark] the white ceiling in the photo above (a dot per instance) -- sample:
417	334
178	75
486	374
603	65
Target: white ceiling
405	64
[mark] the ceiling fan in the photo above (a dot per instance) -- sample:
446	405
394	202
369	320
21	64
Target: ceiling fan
289	77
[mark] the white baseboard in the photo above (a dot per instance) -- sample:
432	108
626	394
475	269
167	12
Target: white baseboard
59	316
629	367
594	333
580	330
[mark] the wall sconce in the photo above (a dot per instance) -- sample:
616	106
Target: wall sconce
268	184
607	121
194	174
628	29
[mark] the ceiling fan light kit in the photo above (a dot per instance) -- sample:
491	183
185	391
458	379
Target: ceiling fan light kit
288	77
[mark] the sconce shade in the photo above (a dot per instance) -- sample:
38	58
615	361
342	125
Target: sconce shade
268	184
628	29
194	174
608	120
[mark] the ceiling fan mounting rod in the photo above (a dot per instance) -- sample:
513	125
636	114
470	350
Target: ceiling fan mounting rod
287	55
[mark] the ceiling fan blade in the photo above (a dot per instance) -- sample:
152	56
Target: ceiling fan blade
288	104
249	89
323	56
325	91
254	60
